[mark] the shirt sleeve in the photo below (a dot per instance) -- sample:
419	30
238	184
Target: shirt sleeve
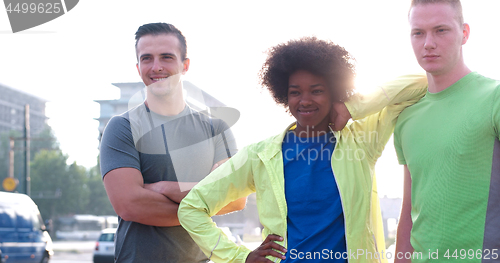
376	113
496	111
117	149
398	146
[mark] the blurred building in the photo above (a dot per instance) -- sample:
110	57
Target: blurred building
12	104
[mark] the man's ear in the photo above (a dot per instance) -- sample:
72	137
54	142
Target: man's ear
186	63
466	33
137	66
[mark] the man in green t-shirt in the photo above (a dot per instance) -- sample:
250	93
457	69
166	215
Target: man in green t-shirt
449	145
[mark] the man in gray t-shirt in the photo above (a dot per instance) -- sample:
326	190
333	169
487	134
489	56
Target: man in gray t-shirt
152	155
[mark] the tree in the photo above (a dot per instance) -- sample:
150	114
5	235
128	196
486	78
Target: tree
43	140
98	200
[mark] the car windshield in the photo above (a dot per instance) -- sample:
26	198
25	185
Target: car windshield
107	237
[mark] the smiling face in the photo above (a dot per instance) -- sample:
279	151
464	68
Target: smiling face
160	61
437	37
309	101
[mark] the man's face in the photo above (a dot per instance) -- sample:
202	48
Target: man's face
159	59
437	37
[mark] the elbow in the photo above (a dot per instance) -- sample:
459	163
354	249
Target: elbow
127	216
125	213
126	210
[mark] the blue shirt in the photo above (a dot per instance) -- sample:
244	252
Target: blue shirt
316	231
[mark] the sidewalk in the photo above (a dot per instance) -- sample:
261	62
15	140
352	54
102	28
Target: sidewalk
74	246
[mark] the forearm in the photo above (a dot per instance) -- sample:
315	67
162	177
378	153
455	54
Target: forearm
403	243
151	208
132	202
175	191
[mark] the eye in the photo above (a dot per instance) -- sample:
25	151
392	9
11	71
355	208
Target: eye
317	91
293	92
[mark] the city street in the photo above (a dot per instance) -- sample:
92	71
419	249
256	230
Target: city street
73	252
82	251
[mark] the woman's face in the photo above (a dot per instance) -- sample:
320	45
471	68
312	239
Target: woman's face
309	101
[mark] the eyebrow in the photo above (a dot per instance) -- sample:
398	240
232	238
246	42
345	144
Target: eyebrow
312	86
440	26
162	54
435	27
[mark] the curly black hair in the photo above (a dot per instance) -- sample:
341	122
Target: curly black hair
319	57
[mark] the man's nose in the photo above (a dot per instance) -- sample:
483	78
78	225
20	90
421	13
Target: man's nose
157	66
430	43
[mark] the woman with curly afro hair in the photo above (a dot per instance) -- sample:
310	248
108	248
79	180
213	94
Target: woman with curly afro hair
315	183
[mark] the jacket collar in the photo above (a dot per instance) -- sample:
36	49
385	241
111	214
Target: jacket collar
274	147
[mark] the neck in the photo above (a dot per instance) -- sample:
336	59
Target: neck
166	105
440	82
310	131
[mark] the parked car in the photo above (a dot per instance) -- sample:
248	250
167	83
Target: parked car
23	236
105	246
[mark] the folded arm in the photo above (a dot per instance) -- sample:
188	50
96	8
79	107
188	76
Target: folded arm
133	202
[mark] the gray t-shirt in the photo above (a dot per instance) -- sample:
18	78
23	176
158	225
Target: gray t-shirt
164	148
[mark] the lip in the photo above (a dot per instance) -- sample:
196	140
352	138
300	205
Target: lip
157	79
431	57
306	112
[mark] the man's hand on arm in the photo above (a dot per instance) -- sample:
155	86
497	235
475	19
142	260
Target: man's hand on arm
132	202
405	224
175	191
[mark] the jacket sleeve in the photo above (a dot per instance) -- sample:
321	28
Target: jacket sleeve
375	114
230	181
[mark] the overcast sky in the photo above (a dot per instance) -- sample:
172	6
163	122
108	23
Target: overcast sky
73	59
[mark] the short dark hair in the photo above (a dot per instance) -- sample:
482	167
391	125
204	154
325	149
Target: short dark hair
319	57
453	3
162	28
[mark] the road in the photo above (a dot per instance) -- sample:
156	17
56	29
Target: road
82	251
73	252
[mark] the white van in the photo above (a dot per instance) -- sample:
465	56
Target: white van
23	237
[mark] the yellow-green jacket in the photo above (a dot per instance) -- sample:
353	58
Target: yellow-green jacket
259	168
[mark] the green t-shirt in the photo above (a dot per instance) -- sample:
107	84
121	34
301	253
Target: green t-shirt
449	140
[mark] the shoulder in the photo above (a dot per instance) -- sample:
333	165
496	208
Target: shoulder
128	118
118	122
123	124
487	83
